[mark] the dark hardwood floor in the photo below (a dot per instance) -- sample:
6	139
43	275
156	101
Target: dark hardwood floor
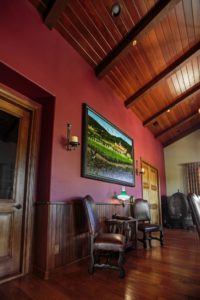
171	272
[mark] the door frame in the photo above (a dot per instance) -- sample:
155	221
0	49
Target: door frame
30	174
159	198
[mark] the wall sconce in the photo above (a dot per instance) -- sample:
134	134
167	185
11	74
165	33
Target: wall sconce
137	172
72	141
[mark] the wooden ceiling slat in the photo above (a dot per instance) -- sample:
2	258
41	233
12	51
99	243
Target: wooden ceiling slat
140	61
127	73
176	84
107	20
170	37
132	99
115	86
95	14
120	21
182	24
90	28
176	115
150	3
196	14
158	62
117	81
142	27
173	36
188	13
199	64
141	7
181	135
145	57
85	31
163	43
171	86
196	71
81	48
92	24
136	67
55	12
132	11
181	81
125	16
190	73
182	122
183	97
193	103
123	80
79	37
155	100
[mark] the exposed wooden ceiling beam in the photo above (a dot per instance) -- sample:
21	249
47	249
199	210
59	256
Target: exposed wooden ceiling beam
182	122
166	72
141	28
180	99
182	135
55	12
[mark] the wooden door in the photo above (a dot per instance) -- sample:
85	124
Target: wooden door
14	129
150	185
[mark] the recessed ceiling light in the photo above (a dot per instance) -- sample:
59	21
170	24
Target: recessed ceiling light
168	110
134	43
199	110
116	10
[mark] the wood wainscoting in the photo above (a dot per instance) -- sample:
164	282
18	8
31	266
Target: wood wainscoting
61	233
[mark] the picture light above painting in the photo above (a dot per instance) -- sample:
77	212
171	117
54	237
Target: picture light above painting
107	152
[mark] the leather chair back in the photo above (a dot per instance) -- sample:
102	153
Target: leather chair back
141	210
93	219
194	202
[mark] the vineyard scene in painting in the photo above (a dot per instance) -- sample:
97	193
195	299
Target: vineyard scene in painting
109	152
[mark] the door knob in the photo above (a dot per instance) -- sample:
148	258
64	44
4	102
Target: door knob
17	206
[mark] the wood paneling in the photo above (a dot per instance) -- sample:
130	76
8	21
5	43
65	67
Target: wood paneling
154	73
61	233
140	29
6	229
195	89
166	72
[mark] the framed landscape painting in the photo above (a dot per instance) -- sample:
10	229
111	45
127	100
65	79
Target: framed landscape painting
107	152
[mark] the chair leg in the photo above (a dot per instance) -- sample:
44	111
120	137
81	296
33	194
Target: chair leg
121	261
145	240
161	238
91	266
150	240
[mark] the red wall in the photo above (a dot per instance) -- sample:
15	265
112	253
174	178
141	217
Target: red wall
46	59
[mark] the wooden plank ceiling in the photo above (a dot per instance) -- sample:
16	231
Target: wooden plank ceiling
149	54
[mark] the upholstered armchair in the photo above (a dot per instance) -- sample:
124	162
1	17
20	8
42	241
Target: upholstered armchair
103	244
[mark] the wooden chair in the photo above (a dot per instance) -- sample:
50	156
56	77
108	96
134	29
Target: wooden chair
103	244
194	202
141	211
